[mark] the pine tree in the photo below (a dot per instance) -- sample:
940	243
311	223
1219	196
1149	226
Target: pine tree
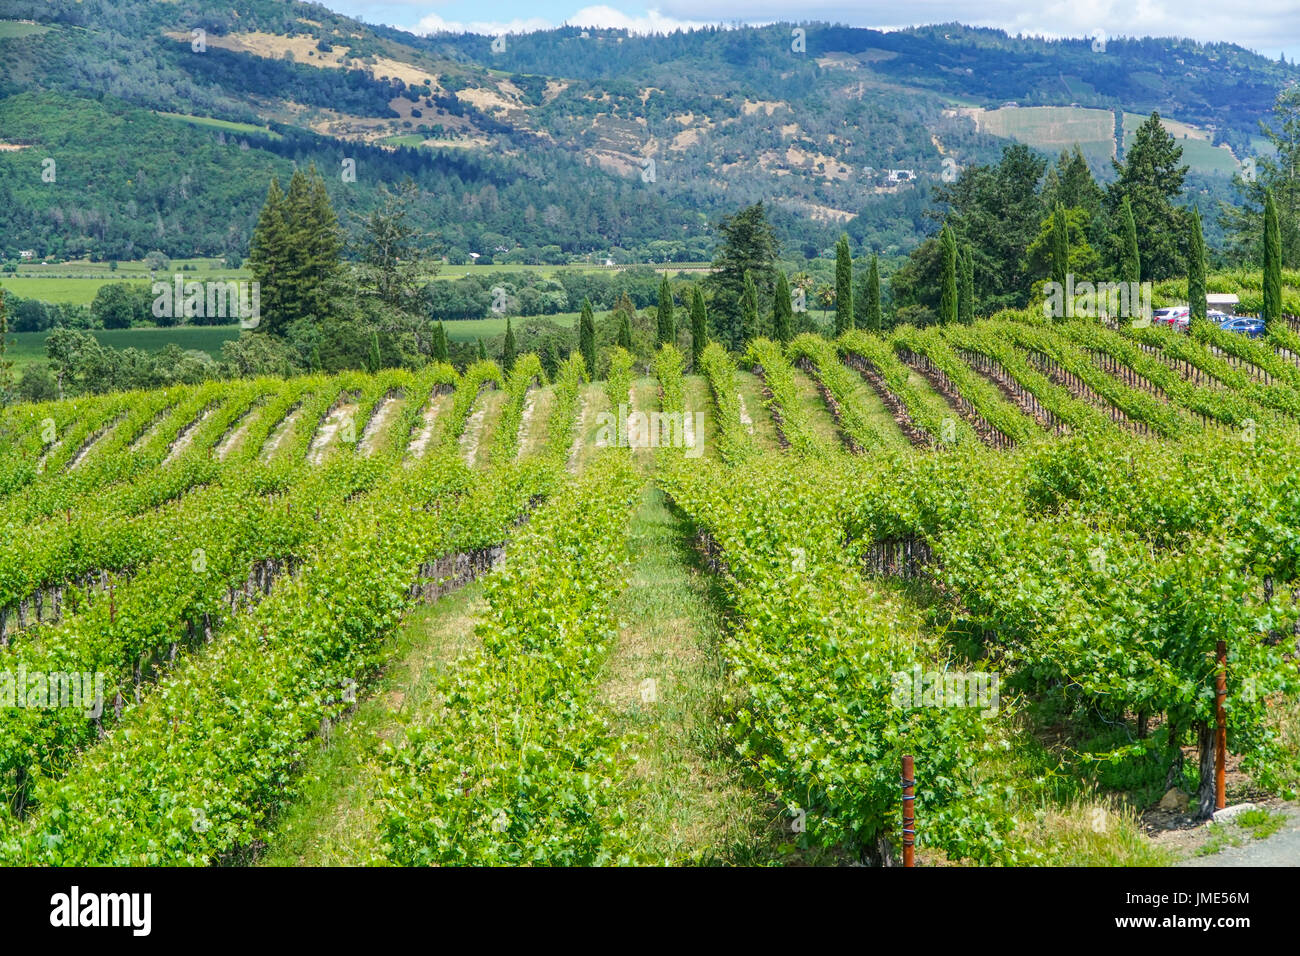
1060	246
749	329
843	286
624	329
1196	270
748	245
296	252
667	323
587	338
1272	262
508	349
948	280
699	327
482	351
1130	263
966	289
440	350
875	321
268	260
782	310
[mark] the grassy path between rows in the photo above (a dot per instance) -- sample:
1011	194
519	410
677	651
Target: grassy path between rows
664	685
336	822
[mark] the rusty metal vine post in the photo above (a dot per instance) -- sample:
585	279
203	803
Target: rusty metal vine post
1221	729
909	812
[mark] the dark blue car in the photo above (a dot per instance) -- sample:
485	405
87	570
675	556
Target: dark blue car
1244	324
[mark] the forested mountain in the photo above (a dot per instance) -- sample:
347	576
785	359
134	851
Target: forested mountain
161	125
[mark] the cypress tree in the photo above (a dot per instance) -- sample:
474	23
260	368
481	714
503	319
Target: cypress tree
699	327
749	311
6	366
1272	262
875	321
624	330
782	310
948	287
440	350
843	286
587	337
482	351
966	291
667	324
1060	246
1130	263
1196	270
508	349
375	359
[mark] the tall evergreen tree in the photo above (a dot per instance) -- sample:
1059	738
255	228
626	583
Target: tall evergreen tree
1151	179
1196	270
1060	245
296	253
948	280
748	246
749	322
843	286
482	351
699	327
1071	183
6	364
1272	262
966	289
782	310
268	260
1130	261
587	337
624	329
666	322
875	321
508	349
441	351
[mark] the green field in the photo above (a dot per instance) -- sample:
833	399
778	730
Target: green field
468	330
28	347
1057	128
1199	154
214	123
16	28
75	283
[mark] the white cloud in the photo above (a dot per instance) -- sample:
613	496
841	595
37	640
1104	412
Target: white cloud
601	16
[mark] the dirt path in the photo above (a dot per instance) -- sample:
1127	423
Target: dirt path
186	438
378	424
339	420
420	443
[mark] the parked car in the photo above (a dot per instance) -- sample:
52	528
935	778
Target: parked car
1171	315
1245	324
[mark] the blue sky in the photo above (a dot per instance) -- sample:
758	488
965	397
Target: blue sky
1269	27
